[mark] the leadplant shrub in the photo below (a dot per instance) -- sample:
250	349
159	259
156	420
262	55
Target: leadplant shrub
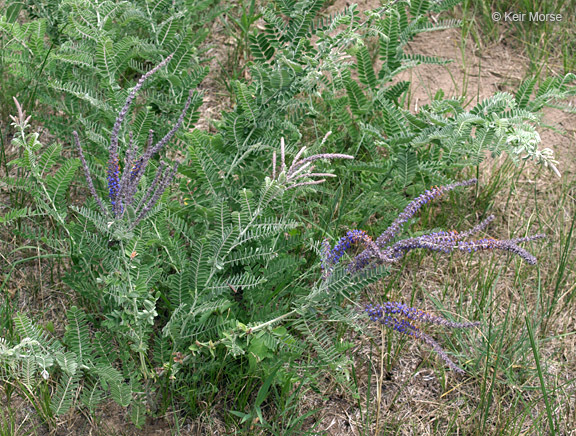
216	277
185	308
76	360
309	74
74	61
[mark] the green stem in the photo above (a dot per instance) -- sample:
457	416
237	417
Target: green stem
541	377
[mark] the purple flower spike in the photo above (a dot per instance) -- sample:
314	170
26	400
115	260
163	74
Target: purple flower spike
87	174
122	187
398	309
414	207
401	318
352	237
381	252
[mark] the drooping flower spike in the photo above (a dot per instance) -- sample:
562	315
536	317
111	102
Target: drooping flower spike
449	241
402	318
381	252
414	206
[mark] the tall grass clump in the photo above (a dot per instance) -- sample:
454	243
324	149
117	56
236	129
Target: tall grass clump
207	277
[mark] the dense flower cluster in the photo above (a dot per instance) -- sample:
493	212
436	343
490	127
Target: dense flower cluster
402	318
332	256
352	237
383	252
123	185
113	178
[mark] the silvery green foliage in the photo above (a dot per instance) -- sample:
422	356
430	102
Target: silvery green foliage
43	177
354	91
77	58
87	375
